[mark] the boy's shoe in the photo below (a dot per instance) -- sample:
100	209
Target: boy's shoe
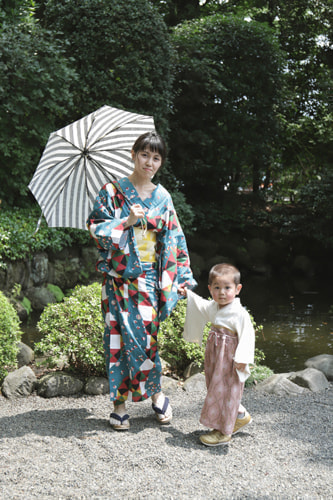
241	422
214	438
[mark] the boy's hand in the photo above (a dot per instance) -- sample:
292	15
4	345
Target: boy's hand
182	290
240	366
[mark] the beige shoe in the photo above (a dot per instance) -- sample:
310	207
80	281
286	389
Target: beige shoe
214	438
241	422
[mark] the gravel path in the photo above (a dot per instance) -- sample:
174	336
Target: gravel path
64	448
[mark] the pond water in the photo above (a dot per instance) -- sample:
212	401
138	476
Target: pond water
295	315
296	318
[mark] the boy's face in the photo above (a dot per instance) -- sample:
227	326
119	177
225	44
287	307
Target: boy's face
223	289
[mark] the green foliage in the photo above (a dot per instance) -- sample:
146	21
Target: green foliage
184	211
74	328
316	199
56	291
10	335
258	374
172	347
225	123
26	303
18	239
35	94
121	51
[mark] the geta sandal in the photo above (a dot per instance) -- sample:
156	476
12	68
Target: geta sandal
164	414
119	423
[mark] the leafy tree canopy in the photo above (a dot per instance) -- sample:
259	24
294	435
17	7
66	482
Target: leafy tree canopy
229	75
121	51
35	93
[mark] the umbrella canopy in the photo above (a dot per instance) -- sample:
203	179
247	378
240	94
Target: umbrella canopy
80	158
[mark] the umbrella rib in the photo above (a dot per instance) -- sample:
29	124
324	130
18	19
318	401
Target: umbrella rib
100	167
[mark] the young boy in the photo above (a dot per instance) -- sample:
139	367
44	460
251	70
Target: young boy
229	351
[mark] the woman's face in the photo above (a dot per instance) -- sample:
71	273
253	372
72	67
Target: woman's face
146	162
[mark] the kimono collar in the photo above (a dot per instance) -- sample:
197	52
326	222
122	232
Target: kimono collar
131	194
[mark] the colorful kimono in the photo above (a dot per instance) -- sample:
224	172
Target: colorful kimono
136	294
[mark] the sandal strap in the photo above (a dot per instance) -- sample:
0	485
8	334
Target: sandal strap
164	409
118	417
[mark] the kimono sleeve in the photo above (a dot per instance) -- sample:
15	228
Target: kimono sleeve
198	313
246	344
105	223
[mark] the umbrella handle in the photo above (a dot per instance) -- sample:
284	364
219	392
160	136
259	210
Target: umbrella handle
39	223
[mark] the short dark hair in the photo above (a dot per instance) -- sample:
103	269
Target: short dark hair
153	141
221	269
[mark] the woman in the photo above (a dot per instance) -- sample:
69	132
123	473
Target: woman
144	258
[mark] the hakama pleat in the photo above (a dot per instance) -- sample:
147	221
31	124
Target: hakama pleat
224	390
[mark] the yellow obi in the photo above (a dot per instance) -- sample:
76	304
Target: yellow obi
146	244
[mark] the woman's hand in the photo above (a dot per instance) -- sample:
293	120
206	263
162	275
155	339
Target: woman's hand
182	290
137	212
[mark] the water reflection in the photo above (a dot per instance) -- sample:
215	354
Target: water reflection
296	319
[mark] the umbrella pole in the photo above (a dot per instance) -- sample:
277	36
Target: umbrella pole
39	223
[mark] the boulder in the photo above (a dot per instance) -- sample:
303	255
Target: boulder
20	309
280	385
40	297
59	384
39	269
192	369
25	354
19	383
169	385
323	363
96	386
64	273
311	378
195	383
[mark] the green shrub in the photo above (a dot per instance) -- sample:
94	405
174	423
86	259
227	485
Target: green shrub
173	348
10	335
258	374
56	291
18	237
74	328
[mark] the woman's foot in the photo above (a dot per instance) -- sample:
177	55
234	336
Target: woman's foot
215	438
162	408
119	419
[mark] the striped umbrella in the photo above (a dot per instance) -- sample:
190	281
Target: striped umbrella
80	158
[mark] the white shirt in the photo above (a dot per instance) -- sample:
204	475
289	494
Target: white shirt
233	316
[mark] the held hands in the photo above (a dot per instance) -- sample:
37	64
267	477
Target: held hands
182	290
137	212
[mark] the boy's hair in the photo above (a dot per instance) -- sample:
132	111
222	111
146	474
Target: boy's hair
153	141
221	269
